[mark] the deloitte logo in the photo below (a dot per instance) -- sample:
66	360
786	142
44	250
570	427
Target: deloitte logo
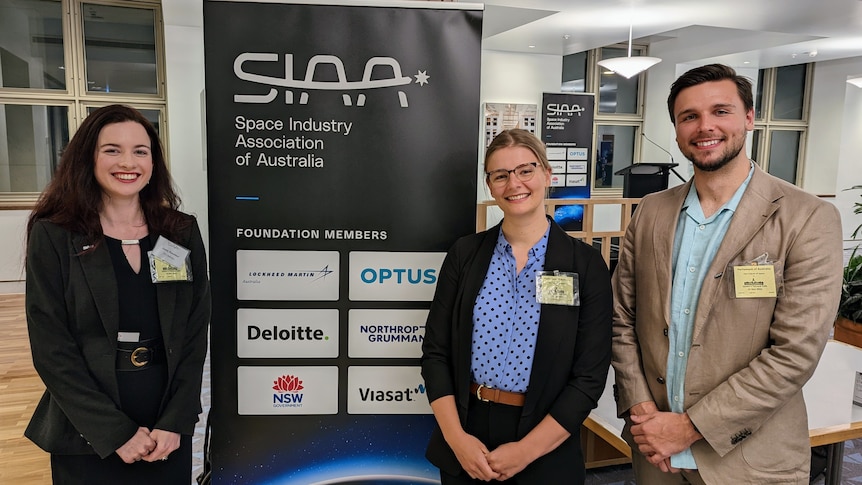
287	393
295	333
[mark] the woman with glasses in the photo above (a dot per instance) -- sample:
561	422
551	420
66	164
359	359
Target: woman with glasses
518	339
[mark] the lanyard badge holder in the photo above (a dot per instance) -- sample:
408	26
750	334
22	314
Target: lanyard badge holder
169	262
758	278
557	288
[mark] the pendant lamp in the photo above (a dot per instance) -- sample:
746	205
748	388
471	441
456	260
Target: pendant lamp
629	66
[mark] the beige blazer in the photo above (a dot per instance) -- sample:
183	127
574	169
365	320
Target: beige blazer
749	357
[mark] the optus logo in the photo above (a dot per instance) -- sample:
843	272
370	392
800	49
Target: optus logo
287	393
399	276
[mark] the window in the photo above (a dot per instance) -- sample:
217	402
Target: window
619	112
59	60
781	119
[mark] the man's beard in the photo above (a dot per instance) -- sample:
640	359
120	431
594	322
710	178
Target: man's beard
728	155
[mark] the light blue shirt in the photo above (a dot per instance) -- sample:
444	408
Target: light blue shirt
695	244
506	319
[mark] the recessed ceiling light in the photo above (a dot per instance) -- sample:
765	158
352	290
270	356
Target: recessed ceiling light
531	46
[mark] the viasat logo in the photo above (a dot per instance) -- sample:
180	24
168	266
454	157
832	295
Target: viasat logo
287	393
398	395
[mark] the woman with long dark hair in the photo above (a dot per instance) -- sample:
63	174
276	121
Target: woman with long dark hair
118	305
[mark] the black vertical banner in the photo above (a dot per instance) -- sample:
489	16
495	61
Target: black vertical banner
567	131
342	144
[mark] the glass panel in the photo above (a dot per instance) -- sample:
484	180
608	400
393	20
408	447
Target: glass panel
614	150
31	44
31	140
616	93
758	95
756	137
120	49
789	92
574	73
784	154
152	115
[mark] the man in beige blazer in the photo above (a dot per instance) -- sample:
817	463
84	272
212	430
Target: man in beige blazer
726	290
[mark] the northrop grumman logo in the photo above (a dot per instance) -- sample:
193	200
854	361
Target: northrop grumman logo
564	109
309	84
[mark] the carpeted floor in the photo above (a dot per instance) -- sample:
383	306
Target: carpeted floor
623	475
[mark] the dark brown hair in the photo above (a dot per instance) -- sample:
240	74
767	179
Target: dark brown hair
73	198
520	138
710	73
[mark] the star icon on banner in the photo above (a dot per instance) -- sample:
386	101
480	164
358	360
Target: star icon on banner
422	78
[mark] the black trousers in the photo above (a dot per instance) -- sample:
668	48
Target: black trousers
493	424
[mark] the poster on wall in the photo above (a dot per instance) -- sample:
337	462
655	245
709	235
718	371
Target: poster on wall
342	143
507	116
567	130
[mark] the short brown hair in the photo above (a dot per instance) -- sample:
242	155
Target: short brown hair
710	73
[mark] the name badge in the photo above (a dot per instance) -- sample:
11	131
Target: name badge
754	281
557	288
128	337
169	262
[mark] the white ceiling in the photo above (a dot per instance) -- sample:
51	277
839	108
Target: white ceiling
750	33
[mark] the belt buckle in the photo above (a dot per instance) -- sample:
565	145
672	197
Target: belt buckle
143	353
479	392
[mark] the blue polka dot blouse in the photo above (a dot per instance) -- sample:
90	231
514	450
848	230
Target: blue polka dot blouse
506	319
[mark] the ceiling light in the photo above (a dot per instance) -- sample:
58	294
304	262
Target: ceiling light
856	81
629	66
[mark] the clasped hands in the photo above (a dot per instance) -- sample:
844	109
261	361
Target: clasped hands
661	434
501	464
149	445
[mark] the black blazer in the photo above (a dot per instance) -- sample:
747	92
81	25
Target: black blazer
73	319
572	356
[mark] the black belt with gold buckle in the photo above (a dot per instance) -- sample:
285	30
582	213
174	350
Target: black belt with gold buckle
140	355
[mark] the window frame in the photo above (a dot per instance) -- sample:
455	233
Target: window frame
766	124
76	97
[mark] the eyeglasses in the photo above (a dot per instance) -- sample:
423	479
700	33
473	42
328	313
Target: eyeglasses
523	172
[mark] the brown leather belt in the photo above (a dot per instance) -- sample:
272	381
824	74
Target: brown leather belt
485	393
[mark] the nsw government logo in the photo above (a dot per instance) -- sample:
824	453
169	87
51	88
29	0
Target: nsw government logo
287	392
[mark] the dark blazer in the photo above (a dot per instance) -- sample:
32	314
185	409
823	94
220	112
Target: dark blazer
73	319
572	356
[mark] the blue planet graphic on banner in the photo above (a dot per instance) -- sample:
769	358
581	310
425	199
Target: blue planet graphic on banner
378	480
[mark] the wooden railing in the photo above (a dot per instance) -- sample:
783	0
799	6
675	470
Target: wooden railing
587	233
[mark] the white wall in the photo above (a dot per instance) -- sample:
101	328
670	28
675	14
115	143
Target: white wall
509	77
834	149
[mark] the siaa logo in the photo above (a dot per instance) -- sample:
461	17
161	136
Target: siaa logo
248	65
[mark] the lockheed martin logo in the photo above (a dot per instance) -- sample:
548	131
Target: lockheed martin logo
309	84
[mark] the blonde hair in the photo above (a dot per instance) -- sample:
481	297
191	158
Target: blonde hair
517	137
